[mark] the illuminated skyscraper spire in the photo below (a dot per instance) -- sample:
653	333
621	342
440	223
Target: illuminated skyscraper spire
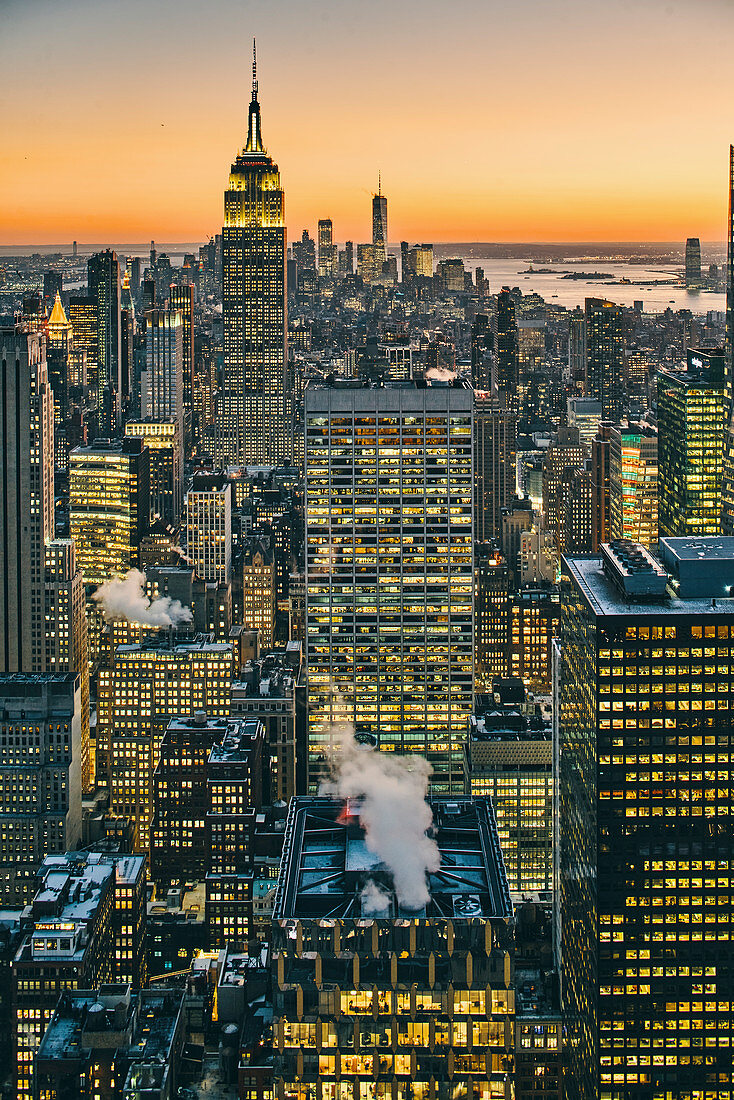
254	135
379	217
255	408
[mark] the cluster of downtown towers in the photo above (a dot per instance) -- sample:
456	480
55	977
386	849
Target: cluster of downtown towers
643	688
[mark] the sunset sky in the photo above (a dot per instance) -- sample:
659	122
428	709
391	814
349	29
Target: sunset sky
494	120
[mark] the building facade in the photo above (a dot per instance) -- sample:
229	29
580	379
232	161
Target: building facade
87	927
255	405
691	445
389	571
422	1004
142	689
208	504
495	443
109	489
605	356
105	288
645	685
67	638
161	383
40	776
164	443
633	483
26	498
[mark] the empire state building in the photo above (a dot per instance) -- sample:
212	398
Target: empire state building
254	421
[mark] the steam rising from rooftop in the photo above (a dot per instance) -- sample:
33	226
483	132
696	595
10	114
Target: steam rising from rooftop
125	598
393	812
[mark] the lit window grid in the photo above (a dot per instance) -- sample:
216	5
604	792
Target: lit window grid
138	697
403	660
523	805
659	939
691	423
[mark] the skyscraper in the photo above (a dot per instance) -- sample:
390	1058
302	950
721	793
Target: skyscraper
26	498
182	301
144	687
59	348
103	282
161	384
209	527
507	345
255	405
163	440
646	682
420	991
691	434
379	220
605	356
83	321
40	777
577	347
67	639
109	512
389	570
633	483
328	259
693	262
600	446
509	758
495	442
482	345
727	478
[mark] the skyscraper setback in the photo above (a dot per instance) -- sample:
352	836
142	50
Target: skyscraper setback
255	407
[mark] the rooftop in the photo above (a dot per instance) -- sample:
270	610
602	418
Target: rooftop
508	724
200	643
606	598
697	548
238	740
144	1022
270	676
327	863
633	569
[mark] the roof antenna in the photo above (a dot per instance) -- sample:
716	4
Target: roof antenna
379	182
254	69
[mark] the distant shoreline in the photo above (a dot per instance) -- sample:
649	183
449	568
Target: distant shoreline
534	252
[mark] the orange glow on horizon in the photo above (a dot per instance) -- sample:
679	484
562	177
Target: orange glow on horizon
585	126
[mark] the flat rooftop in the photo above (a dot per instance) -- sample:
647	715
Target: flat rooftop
693	548
326	863
146	1027
239	740
604	598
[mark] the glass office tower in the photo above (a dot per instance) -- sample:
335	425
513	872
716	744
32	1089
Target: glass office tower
646	690
690	445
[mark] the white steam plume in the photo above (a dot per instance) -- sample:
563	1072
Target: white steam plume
394	812
374	900
440	374
124	598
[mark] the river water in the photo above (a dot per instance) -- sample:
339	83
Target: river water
572	292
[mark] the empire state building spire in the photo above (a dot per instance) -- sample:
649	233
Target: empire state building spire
254	135
255	407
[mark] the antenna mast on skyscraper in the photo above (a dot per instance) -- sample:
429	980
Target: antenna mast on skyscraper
254	68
